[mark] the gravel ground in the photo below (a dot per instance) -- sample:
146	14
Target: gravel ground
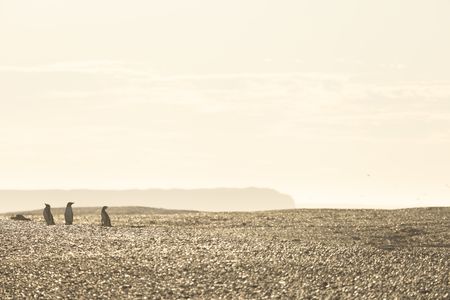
311	254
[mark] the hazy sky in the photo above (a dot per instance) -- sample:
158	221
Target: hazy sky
338	103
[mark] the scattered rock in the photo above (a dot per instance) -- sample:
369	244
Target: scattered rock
20	218
294	254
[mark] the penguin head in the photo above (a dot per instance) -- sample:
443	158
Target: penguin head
69	204
105	208
47	205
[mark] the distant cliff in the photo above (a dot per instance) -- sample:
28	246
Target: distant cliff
219	199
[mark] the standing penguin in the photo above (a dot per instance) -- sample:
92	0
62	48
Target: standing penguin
48	215
68	215
106	221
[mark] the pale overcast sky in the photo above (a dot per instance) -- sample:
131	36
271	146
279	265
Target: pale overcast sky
338	103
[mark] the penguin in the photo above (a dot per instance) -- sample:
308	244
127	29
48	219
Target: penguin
106	221
68	215
48	215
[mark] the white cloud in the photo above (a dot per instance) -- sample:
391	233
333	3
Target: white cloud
322	106
89	67
274	129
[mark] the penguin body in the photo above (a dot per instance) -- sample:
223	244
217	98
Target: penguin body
106	221
48	215
68	215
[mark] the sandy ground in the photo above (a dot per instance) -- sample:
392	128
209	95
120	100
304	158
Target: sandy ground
311	254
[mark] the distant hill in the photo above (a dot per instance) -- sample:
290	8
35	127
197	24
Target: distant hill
219	199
